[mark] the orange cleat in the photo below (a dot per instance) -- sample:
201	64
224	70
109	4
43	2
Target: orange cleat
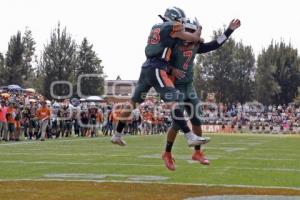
169	160
199	156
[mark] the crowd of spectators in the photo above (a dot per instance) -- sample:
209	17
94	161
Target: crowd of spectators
27	116
254	117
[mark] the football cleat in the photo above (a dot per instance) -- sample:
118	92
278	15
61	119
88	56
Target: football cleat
194	140
199	156
117	140
169	160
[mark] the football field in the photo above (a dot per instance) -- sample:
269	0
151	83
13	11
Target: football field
93	168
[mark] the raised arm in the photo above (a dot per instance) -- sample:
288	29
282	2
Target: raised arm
215	44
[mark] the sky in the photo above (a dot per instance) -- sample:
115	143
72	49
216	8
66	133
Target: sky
119	29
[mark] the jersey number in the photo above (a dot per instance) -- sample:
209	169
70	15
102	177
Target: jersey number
154	37
188	55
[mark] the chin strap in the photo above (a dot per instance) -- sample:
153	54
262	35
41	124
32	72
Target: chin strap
162	18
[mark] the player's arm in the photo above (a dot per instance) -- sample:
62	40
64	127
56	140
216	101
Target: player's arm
180	33
215	44
178	73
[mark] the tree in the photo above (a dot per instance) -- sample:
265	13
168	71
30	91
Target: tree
2	70
278	74
88	63
39	75
243	74
58	62
14	60
216	68
29	49
227	72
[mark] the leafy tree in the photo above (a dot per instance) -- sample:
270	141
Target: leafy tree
2	70
278	74
227	72
29	49
242	74
88	63
58	62
14	60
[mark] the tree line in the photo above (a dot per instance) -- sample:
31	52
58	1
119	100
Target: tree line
61	59
232	73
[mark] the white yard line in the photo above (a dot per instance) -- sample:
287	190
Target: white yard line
257	158
74	139
77	163
259	169
62	154
144	165
254	135
245	197
52	140
150	182
217	156
279	154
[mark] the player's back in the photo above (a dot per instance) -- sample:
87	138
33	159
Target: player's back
160	43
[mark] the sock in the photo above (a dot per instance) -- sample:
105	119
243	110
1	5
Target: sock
197	148
181	121
120	126
169	146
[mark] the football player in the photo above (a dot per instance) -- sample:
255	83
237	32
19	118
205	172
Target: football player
162	39
182	62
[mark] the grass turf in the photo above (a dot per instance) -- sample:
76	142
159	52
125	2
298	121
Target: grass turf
253	160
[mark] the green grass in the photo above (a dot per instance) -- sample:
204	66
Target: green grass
254	160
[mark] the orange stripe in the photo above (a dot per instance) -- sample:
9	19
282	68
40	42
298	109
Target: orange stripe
167	81
168	54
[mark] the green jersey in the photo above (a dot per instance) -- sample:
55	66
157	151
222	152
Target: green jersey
160	40
184	53
183	58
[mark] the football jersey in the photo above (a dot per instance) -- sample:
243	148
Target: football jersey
160	43
183	58
184	53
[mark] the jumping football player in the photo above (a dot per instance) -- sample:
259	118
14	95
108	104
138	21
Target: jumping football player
182	61
161	40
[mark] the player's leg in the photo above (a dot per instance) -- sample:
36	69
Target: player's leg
194	111
171	135
139	94
167	155
171	95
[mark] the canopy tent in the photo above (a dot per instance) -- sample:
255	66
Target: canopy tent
82	100
95	99
14	87
30	90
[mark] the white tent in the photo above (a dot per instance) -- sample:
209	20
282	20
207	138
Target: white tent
94	99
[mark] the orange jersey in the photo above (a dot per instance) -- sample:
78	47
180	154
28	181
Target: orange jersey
43	113
11	112
148	116
114	117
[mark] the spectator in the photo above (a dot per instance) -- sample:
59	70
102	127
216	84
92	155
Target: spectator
43	115
3	122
